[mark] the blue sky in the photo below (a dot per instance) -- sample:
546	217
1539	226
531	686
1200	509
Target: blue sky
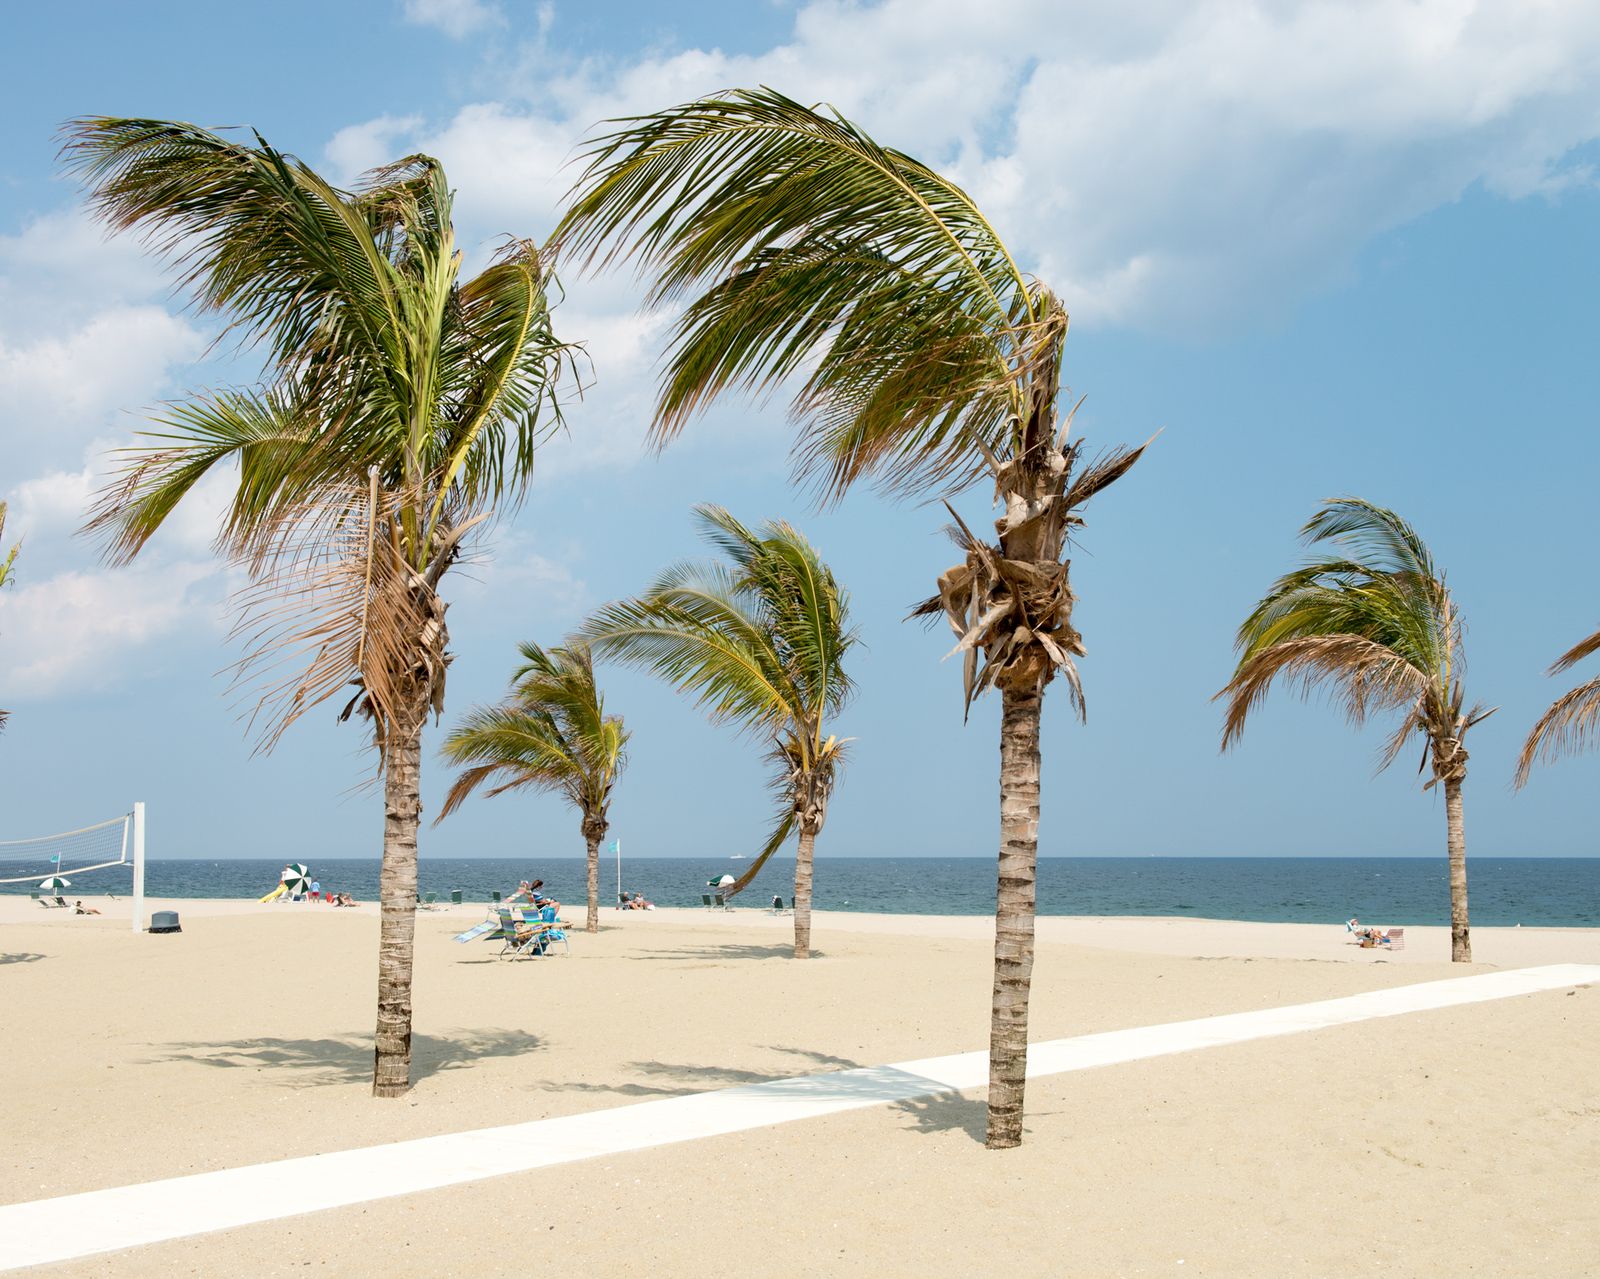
1329	249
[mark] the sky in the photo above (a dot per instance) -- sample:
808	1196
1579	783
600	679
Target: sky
1326	249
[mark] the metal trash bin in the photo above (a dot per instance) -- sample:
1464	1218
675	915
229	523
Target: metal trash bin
165	921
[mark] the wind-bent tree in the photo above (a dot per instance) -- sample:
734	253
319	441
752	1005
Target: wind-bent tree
1374	626
1569	725
552	734
6	566
758	642
398	405
924	357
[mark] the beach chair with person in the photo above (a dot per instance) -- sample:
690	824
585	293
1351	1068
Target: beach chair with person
521	938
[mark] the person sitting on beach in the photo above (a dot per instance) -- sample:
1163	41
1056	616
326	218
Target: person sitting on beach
78	908
343	899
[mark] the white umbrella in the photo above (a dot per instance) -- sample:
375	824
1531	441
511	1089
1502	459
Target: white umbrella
55	884
725	881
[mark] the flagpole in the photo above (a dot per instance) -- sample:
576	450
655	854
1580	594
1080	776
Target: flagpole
616	847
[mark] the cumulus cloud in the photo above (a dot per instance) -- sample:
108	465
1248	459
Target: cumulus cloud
80	628
1174	166
456	18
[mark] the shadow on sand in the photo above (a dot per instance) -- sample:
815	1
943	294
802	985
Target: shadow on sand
347	1059
21	957
729	951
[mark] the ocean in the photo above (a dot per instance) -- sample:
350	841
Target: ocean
1561	892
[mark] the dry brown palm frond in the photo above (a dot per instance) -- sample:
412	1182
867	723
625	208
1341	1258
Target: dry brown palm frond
1366	675
1582	649
1569	726
332	602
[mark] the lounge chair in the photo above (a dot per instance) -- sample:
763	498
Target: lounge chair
705	900
521	938
778	908
553	931
1393	938
722	903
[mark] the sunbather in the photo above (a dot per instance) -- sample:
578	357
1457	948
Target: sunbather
78	908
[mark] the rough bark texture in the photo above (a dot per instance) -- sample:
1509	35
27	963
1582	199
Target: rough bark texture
593	833
1460	933
1014	907
397	895
802	893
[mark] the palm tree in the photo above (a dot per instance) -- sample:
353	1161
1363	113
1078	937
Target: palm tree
6	574
1568	726
399	404
553	734
759	642
925	358
1376	627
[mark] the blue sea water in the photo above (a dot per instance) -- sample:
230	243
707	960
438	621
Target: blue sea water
1562	892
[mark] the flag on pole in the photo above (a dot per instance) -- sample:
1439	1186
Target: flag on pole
616	846
56	858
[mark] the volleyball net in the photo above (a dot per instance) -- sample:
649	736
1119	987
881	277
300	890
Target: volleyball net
91	858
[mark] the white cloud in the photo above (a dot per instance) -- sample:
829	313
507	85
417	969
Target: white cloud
456	18
81	630
1173	166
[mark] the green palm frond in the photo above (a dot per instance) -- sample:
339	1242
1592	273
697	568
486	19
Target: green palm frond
552	735
759	641
810	251
1375	628
399	407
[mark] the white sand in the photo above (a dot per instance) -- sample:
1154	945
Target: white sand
1444	1143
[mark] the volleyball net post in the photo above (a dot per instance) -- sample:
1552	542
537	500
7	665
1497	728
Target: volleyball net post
137	834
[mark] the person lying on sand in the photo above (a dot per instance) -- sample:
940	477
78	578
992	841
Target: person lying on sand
78	908
344	899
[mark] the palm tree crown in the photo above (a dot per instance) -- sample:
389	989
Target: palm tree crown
552	734
759	642
1376	626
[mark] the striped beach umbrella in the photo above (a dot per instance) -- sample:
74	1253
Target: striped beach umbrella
297	878
55	884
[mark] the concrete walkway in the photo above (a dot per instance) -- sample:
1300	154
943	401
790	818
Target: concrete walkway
60	1229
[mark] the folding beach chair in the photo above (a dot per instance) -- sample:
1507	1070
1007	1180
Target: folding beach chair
1394	938
705	900
520	938
722	903
778	908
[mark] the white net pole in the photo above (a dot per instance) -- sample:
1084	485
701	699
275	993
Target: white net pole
138	866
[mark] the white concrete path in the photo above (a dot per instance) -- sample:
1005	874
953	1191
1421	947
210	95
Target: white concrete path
60	1229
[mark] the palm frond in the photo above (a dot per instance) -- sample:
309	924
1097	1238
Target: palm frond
1585	647
1568	727
806	245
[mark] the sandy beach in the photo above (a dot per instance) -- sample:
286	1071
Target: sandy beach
1461	1141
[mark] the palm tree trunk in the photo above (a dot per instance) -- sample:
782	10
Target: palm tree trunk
397	896
1013	919
592	923
802	893
1460	933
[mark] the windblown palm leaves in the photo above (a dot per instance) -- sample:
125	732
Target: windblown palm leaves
1569	725
1377	629
759	642
553	734
399	403
920	355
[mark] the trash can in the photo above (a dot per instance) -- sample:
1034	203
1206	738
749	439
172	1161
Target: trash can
165	921
455	896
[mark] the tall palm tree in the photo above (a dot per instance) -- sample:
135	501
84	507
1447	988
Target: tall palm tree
925	358
1376	627
1569	725
553	734
398	404
759	642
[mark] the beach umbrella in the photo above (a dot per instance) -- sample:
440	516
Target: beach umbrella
55	884
725	881
297	878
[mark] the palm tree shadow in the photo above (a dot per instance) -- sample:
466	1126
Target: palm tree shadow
347	1059
21	957
688	1079
946	1112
